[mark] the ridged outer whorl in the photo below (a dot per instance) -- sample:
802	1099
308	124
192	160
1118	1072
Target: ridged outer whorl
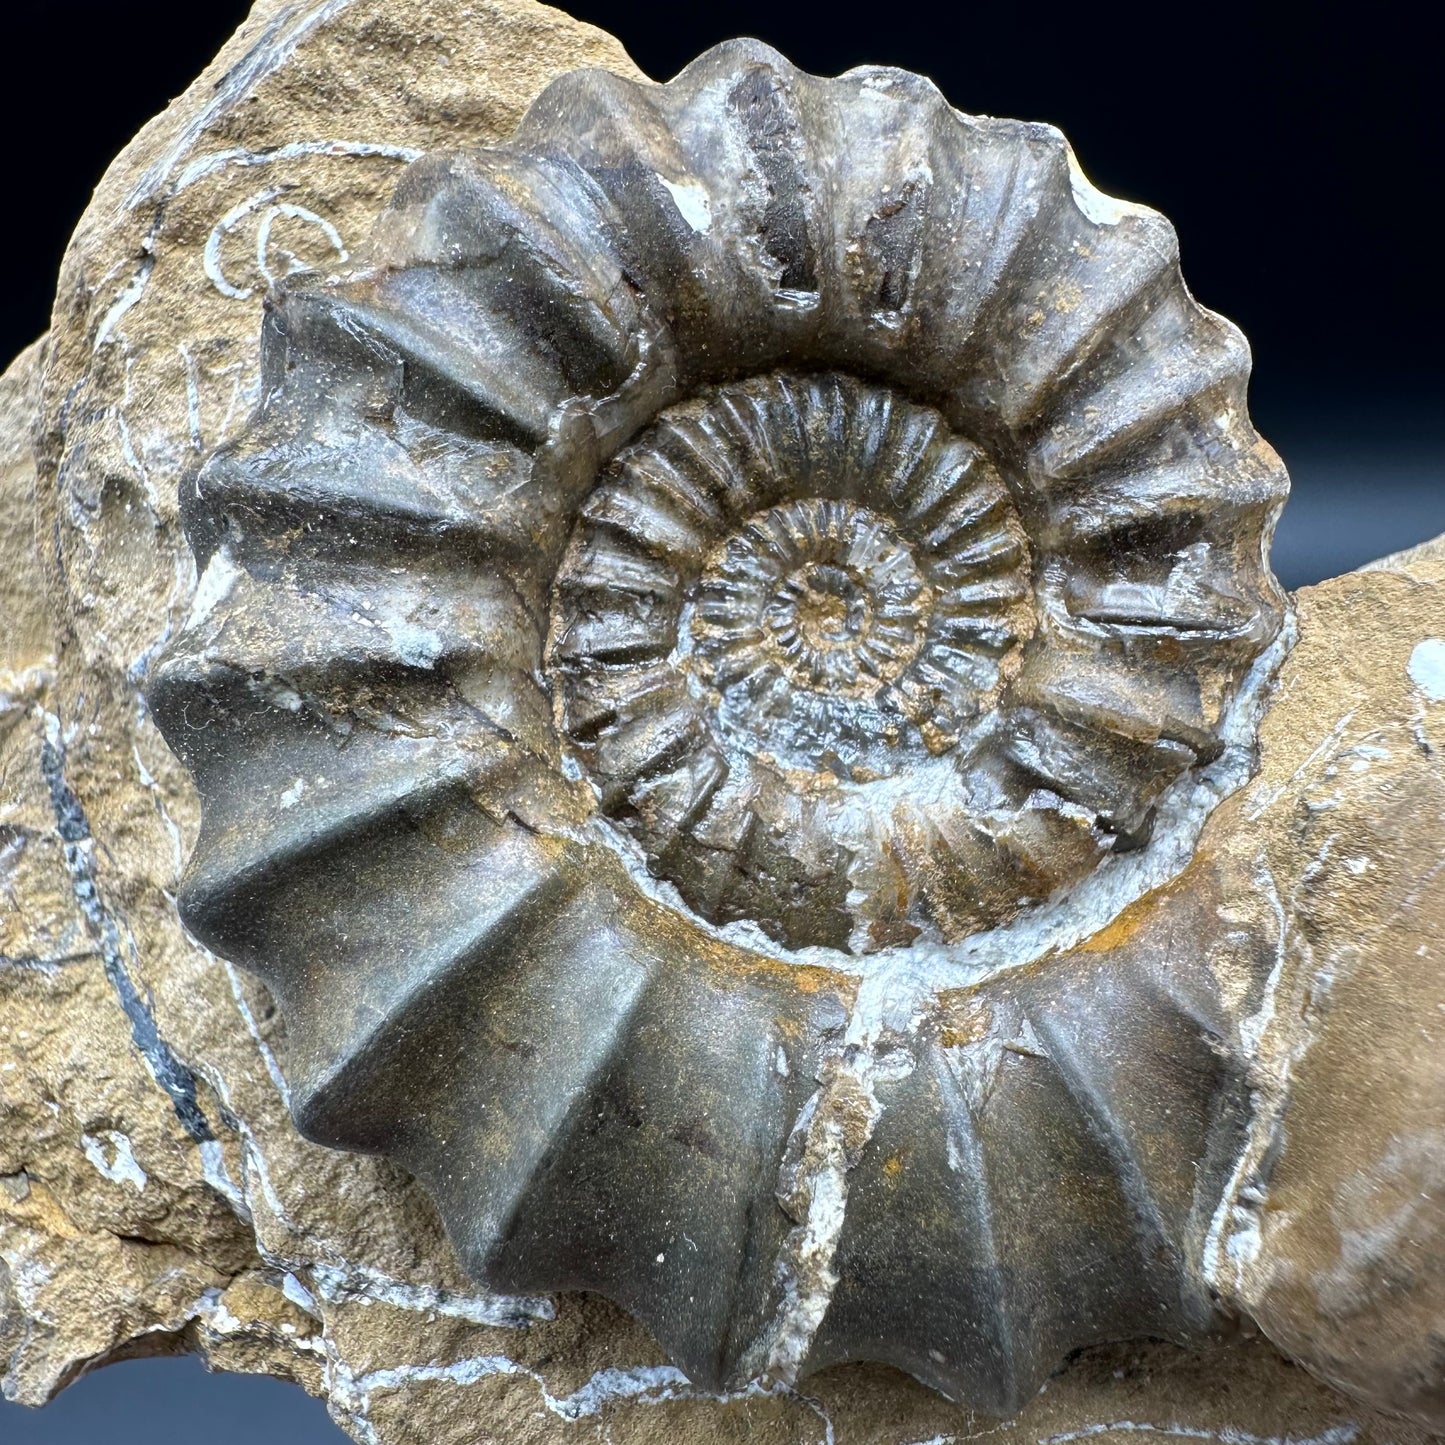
744	553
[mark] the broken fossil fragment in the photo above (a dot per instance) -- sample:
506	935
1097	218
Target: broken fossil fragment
754	566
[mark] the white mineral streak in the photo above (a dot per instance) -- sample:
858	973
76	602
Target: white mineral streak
1427	668
1102	210
293	212
1268	797
208	165
826	1142
692	204
275	48
216	582
642	1384
1098	900
338	1281
113	1157
20	687
1335	1435
1234	1229
842	1114
132	293
1052	928
1234	1239
211	254
273	211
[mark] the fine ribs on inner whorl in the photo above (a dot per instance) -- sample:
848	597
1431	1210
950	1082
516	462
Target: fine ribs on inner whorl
739	545
781	632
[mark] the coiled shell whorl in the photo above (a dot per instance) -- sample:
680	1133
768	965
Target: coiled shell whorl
755	565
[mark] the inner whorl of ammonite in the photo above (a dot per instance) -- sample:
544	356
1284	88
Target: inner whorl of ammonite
781	631
819	595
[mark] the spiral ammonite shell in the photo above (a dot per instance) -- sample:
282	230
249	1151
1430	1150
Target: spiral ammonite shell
781	617
756	570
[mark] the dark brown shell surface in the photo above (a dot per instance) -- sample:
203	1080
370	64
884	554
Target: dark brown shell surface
757	569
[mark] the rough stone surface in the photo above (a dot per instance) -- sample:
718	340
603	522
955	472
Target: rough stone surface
154	1196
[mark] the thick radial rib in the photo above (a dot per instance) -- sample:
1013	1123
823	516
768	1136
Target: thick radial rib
978	632
531	239
679	220
955	671
1191	382
722	835
742	105
310	798
829	408
651	740
349	484
967	889
338	632
859	423
771	440
1199	601
652	475
801	409
670	803
1146	1079
1043	845
985	1156
922	1192
1154	1047
745	417
678	1135
1018	178
662	212
650	517
453	352
604	565
1105	692
967	586
386	983
761	123
1092	284
1115	778
988	548
621	636
702	450
594	697
887	149
742	659
953	485
953	519
1231	488
504	1060
897	462
1196	598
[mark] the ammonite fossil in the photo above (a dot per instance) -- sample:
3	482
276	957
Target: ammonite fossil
757	569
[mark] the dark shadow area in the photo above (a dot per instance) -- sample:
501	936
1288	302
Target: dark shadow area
1363	484
1286	148
81	77
172	1401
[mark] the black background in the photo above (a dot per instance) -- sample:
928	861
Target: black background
1296	149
